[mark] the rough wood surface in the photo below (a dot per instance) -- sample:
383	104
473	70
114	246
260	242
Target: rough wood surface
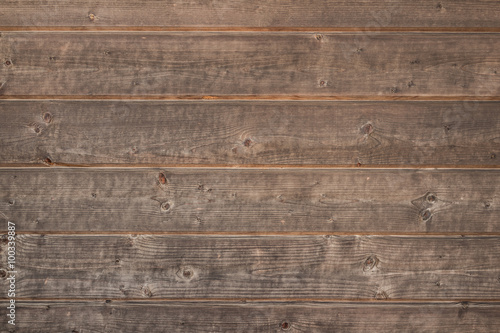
268	267
249	64
251	200
250	132
119	316
256	13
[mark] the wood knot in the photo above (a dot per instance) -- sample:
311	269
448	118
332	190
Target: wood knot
108	301
247	142
367	129
426	214
92	17
162	178
47	161
37	128
370	263
3	273
431	198
147	291
285	326
493	156
165	206
47	117
381	295
185	273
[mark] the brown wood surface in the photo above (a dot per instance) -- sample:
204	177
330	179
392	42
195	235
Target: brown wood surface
257	267
125	64
198	200
401	133
258	13
251	166
119	316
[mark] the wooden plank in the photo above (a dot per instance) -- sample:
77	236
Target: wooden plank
256	267
250	132
255	317
389	65
256	13
251	200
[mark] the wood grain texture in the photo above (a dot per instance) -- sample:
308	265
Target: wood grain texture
268	267
249	64
255	317
251	200
250	133
260	13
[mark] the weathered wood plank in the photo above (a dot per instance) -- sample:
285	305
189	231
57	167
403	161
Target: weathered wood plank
270	267
256	13
249	64
255	317
250	132
251	200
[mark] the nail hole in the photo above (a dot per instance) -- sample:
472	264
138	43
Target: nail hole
3	273
322	83
12	202
8	62
493	156
108	301
319	37
91	17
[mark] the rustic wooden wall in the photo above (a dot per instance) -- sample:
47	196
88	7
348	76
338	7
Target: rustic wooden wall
251	166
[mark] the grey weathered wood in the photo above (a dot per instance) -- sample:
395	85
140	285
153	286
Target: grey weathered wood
251	200
270	267
256	13
249	63
250	132
120	316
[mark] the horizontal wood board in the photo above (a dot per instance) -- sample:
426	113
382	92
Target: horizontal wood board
208	200
249	64
345	133
267	267
243	14
120	316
